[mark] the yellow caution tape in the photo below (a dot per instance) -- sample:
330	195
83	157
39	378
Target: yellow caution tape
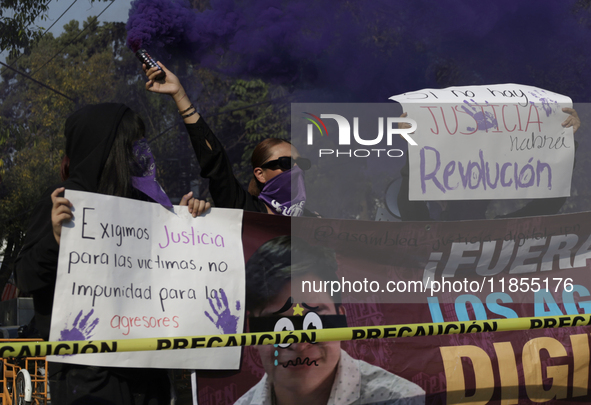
37	349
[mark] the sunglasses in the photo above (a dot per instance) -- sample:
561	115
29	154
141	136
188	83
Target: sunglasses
286	163
271	323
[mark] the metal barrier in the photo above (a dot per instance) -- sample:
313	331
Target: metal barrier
24	379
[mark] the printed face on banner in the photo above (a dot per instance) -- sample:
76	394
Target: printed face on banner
300	367
489	142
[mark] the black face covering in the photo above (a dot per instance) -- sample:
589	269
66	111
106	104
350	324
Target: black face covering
90	133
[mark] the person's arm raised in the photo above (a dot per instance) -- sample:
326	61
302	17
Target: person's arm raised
171	85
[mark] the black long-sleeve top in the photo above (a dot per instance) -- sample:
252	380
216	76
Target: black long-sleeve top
215	166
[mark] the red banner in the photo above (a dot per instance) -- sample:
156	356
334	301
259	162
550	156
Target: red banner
419	272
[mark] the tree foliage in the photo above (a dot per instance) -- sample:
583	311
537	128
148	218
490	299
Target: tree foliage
32	117
18	30
255	111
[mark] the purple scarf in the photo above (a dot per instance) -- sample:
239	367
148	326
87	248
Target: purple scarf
147	183
286	193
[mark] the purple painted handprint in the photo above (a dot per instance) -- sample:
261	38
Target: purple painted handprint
485	120
549	105
226	322
81	329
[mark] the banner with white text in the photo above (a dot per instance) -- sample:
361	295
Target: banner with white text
496	269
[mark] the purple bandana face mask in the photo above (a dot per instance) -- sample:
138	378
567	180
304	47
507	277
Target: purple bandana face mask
147	183
286	193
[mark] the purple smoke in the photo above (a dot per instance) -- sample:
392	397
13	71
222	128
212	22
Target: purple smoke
368	50
157	24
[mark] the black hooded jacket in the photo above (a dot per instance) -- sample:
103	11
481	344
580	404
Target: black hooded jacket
90	133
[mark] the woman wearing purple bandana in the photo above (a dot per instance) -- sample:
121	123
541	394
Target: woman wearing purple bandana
106	153
278	177
277	186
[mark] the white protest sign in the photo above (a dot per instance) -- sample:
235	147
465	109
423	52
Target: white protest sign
489	142
131	269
